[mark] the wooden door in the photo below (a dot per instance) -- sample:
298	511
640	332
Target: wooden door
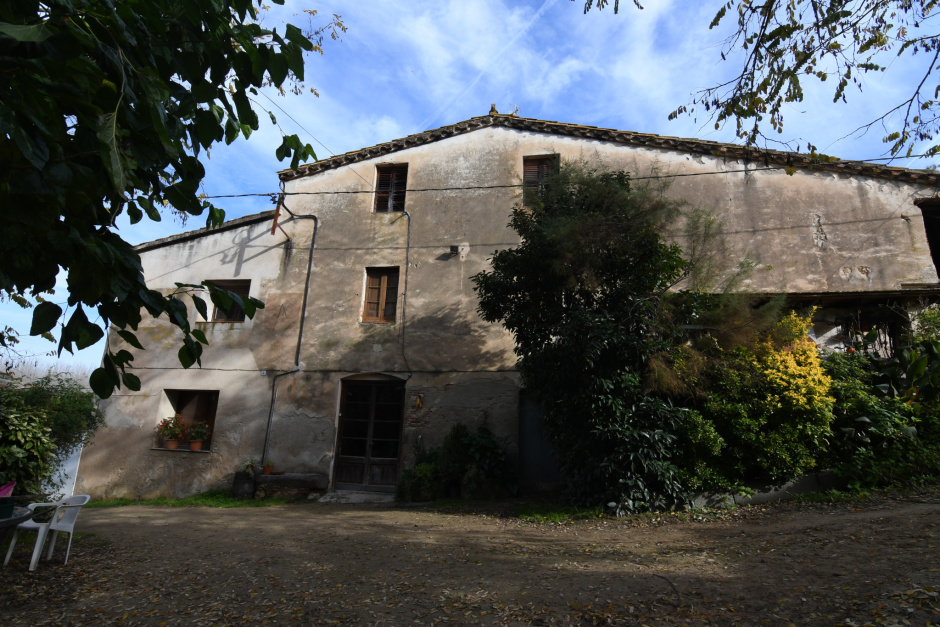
369	439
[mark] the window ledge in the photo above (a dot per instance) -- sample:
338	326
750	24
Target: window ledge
179	450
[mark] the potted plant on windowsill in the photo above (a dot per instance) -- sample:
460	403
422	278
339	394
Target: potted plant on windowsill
268	468
171	430
198	431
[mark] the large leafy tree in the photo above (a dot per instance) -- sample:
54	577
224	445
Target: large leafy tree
584	295
779	44
106	108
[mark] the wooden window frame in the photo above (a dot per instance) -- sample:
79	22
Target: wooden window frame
380	292
391	181
242	287
535	169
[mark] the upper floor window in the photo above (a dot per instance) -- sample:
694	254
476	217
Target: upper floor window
390	187
535	170
381	301
930	208
233	313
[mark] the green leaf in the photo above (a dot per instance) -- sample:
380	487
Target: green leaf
277	67
45	317
134	213
200	336
131	382
34	33
101	383
201	307
130	338
110	153
186	357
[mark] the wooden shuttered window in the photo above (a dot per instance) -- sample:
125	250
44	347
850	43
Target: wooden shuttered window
381	301
234	313
390	187
535	171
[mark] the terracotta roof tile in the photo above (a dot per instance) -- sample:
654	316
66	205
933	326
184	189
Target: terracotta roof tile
699	146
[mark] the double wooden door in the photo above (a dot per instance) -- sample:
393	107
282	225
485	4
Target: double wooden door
369	442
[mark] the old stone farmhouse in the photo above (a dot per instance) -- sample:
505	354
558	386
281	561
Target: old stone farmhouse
370	345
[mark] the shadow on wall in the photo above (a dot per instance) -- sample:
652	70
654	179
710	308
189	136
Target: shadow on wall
449	339
454	338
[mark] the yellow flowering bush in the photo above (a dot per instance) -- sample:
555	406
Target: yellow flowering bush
771	404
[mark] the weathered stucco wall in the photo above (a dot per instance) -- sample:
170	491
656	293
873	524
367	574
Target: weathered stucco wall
809	232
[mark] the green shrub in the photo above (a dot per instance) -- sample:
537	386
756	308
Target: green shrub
420	483
878	439
27	449
771	405
469	465
41	425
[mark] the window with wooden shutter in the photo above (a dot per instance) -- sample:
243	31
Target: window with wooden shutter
535	171
390	187
233	313
381	301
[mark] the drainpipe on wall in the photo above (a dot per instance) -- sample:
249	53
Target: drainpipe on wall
267	432
298	365
404	295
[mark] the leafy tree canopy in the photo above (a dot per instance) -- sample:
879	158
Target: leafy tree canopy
783	43
105	109
584	296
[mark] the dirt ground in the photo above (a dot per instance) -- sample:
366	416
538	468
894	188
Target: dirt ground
803	564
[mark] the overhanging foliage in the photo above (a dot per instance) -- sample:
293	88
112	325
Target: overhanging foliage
105	108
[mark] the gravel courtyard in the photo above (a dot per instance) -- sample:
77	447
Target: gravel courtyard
804	564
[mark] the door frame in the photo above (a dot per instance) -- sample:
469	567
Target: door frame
364	378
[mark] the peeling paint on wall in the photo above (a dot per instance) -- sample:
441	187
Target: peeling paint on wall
820	239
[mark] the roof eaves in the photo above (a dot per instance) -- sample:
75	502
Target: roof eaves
648	140
196	234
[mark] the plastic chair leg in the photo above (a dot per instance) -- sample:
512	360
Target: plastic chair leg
37	550
6	560
51	545
67	549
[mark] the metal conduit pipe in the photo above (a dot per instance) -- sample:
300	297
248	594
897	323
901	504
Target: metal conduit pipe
298	365
404	295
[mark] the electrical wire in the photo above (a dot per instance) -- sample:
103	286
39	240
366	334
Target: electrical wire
512	186
325	147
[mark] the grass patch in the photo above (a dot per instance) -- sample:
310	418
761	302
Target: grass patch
220	497
555	513
831	496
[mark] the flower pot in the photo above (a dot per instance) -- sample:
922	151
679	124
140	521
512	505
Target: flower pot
267	470
171	444
195	445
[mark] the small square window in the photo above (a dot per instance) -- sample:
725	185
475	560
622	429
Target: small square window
535	171
193	405
234	313
391	181
381	301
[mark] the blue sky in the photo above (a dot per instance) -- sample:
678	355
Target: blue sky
407	66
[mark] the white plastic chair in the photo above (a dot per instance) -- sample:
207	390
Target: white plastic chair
63	519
